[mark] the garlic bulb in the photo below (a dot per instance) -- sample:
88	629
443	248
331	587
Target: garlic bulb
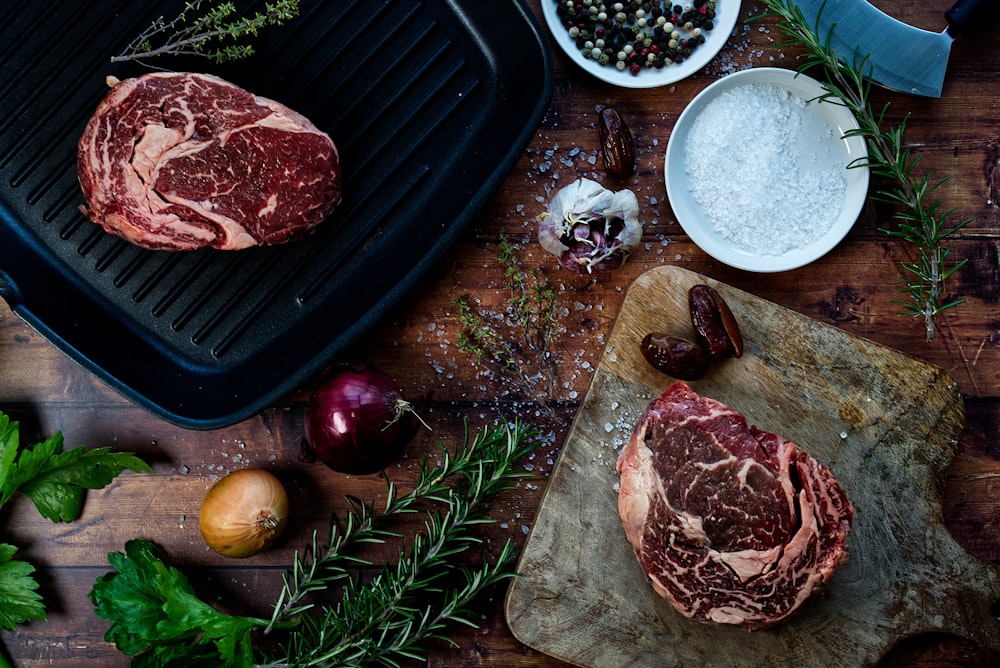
590	228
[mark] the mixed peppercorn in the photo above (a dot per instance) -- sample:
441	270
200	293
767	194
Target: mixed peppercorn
636	35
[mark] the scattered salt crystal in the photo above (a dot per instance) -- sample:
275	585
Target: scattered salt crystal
760	168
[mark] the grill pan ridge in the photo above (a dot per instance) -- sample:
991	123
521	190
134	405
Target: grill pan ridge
430	104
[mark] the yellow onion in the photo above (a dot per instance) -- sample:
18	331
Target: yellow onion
243	513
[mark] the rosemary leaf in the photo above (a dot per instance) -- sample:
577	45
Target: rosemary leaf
921	221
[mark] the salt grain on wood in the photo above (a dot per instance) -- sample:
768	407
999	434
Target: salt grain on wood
760	168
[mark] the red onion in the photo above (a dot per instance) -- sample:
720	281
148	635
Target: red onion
357	421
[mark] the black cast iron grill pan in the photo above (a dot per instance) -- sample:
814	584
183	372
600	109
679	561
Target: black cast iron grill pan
430	104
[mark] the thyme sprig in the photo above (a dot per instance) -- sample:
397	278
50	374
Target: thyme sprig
526	358
922	218
205	34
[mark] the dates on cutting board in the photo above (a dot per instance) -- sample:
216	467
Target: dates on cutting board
714	323
717	332
675	356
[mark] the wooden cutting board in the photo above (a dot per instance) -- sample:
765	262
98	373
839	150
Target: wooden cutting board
886	424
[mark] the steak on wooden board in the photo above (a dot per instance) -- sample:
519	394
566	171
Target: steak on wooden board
180	161
732	524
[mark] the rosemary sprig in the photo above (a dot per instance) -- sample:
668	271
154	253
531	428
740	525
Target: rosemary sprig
532	312
922	219
389	617
193	34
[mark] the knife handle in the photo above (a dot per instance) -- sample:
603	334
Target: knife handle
967	16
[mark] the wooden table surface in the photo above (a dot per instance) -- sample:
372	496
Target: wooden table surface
851	288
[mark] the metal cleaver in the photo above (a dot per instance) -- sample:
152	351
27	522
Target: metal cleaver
900	57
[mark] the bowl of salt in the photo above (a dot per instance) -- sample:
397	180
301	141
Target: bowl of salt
760	173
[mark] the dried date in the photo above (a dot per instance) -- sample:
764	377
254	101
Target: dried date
617	145
714	323
675	356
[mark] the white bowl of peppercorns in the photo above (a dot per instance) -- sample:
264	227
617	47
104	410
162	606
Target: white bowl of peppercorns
641	44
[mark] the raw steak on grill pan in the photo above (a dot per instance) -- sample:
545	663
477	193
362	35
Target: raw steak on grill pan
732	524
179	161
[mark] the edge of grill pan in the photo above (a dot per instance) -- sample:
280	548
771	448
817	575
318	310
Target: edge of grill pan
428	126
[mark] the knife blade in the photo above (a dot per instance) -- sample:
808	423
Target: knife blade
899	56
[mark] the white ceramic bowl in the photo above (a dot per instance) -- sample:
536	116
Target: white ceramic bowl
837	150
727	12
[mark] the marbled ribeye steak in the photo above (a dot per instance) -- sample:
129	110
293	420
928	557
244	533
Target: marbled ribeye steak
732	524
179	161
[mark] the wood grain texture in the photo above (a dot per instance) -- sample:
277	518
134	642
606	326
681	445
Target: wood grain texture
852	289
886	424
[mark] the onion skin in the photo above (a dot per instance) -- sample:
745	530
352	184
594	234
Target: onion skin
244	513
357	421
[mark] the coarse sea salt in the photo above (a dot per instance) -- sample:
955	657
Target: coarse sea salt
760	167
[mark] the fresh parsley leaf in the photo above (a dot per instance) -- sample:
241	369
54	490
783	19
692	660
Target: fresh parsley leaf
19	602
8	452
55	479
155	613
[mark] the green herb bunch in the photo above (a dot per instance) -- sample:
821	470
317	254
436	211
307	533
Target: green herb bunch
157	616
55	481
922	219
527	357
206	33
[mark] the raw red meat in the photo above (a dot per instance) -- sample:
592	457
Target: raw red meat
732	524
179	161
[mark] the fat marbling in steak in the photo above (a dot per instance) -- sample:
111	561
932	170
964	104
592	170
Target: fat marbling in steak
732	524
179	161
